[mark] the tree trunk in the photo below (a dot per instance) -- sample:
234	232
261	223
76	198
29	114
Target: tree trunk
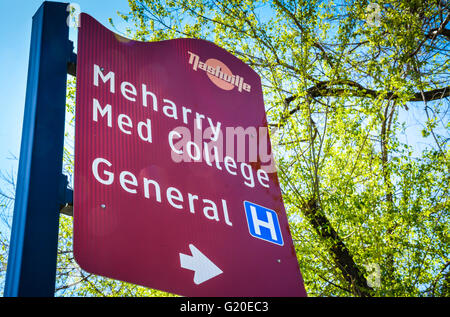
339	251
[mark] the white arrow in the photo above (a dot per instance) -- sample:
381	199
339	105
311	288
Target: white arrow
203	267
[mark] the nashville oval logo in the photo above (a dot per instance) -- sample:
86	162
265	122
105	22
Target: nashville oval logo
219	73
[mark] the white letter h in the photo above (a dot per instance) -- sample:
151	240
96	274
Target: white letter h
269	224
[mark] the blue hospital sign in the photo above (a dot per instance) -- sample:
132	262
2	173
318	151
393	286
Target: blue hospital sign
263	223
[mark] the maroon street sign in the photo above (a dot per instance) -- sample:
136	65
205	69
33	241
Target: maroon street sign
175	185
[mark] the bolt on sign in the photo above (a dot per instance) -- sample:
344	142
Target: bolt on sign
175	185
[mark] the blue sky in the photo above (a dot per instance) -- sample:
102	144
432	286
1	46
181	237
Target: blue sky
15	31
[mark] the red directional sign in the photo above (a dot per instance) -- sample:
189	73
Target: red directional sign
175	185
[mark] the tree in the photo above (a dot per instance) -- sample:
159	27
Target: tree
339	79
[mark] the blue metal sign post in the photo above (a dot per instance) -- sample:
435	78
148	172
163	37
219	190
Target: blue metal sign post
41	187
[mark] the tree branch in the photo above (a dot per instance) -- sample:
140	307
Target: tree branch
325	89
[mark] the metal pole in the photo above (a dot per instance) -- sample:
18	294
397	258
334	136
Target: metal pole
31	269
